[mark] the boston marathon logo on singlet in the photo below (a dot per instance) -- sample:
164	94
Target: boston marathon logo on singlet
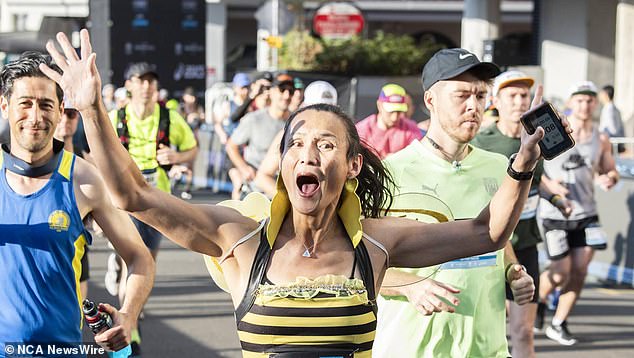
59	221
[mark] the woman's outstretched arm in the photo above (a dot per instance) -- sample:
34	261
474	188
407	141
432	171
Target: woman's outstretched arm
203	228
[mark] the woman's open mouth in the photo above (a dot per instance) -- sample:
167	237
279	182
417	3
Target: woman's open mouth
308	184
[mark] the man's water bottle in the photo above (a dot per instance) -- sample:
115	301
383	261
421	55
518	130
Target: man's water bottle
99	321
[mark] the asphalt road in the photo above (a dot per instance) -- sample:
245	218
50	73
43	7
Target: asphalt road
188	316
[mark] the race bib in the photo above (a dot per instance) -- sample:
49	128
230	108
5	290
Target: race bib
151	178
596	237
556	243
570	178
488	259
530	207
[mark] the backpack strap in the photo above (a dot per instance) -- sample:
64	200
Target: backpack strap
163	134
122	128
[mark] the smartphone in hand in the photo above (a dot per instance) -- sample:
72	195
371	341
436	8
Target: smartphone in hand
556	140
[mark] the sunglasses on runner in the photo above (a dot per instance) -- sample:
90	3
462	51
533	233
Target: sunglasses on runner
285	88
71	113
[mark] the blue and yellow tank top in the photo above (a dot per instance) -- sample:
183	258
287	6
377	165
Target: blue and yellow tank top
42	240
330	316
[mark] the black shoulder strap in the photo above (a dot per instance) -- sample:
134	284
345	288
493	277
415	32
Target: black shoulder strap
163	134
365	269
122	128
258	268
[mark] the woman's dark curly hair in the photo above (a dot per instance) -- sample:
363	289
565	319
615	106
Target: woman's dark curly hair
375	182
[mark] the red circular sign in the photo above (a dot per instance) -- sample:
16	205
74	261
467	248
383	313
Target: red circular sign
338	21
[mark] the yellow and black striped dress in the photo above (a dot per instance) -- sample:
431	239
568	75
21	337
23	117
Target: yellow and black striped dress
330	316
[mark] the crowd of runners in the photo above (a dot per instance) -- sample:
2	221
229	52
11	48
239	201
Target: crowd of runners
331	271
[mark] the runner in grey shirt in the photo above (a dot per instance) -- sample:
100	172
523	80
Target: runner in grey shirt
257	129
571	241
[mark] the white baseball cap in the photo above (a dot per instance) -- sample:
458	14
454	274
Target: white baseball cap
121	93
320	92
584	87
508	77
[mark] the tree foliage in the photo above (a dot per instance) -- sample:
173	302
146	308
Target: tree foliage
382	55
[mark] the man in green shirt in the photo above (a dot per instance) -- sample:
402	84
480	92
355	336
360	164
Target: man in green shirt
149	132
511	97
138	126
444	165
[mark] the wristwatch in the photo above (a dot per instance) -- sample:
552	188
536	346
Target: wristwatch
518	175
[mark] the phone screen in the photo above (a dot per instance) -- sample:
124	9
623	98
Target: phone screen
552	135
556	140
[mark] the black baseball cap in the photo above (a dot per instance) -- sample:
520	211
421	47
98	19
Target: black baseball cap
452	62
264	75
140	69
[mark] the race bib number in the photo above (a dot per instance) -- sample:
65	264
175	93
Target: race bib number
556	243
530	207
488	259
596	236
151	178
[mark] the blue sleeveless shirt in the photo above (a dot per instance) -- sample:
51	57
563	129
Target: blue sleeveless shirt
42	240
